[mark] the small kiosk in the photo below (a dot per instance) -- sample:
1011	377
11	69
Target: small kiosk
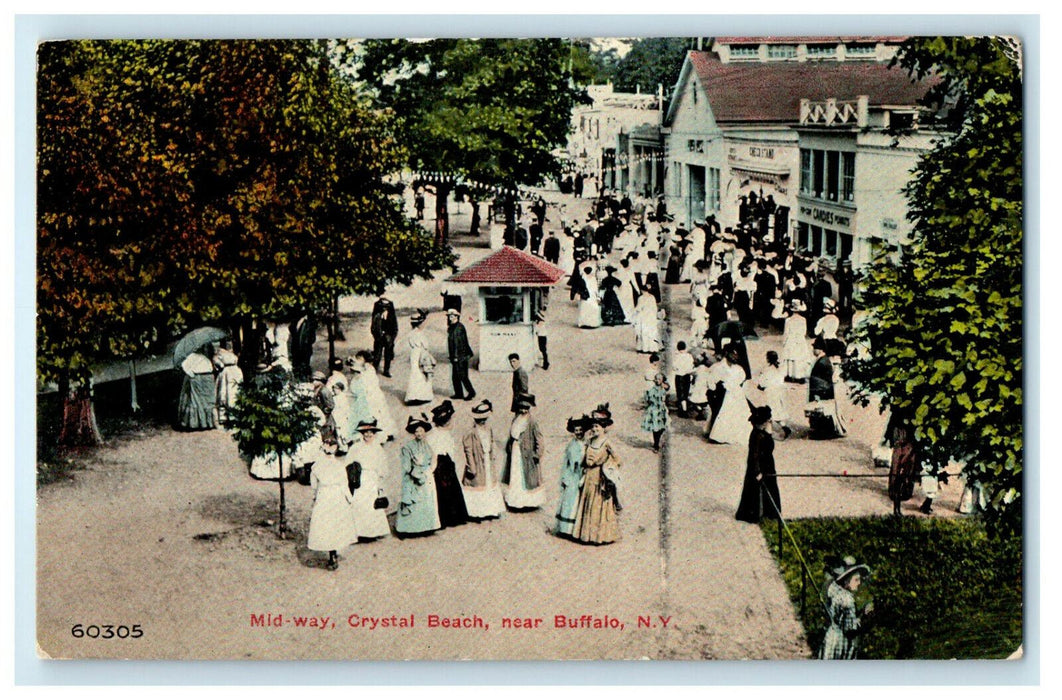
511	286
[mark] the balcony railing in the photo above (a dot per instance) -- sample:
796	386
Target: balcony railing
834	112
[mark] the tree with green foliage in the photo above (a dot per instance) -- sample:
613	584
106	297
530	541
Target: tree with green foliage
479	110
270	420
945	322
222	182
652	61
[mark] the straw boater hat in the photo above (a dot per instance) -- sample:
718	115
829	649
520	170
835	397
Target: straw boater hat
319	376
848	566
829	305
443	412
482	410
415	422
453	312
369	426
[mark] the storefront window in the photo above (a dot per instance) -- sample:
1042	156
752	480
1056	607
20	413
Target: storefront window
503	305
713	189
818	161
802	236
848	177
846	246
816	240
833	171
805	171
831	242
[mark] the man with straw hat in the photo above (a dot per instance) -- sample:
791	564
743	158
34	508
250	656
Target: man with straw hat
460	353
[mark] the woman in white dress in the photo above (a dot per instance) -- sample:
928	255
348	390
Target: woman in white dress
377	401
483	496
590	306
625	291
331	524
419	388
647	324
796	351
731	426
771	381
370	522
228	382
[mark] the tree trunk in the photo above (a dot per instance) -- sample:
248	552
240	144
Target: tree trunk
250	350
133	403
282	525
474	229
331	339
442	215
79	427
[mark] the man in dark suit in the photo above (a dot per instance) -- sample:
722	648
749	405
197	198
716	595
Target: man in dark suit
551	248
460	353
520	383
384	329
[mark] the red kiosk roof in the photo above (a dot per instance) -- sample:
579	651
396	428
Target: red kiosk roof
510	267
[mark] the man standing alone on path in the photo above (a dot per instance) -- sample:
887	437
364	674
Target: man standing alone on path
520	383
384	329
460	354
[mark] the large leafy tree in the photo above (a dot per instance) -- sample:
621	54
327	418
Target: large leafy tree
652	61
489	111
945	326
205	181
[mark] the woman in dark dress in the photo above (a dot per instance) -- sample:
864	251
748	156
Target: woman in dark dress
611	309
759	496
673	273
904	461
451	498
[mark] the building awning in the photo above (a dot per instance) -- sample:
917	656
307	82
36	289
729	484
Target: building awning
509	267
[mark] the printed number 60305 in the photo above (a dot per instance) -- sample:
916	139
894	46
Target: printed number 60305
107	631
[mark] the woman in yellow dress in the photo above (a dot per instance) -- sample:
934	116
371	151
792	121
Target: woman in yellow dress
596	520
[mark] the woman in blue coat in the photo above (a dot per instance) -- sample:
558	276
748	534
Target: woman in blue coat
571	477
418	510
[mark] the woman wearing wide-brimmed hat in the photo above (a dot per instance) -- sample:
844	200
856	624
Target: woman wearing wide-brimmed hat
418	511
571	477
730	425
522	474
847	623
612	313
759	494
596	513
451	500
367	508
796	352
483	496
419	388
331	524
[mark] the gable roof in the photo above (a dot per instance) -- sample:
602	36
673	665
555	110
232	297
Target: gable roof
510	267
770	92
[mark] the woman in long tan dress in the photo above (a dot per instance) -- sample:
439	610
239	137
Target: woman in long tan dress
596	520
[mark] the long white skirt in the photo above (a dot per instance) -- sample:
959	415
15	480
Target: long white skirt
419	387
589	313
732	425
485	501
368	521
518	495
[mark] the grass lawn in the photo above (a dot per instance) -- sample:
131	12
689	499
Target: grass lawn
942	589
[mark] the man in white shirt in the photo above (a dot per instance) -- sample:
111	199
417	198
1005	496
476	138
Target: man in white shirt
682	365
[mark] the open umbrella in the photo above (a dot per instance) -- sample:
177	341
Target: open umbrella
195	340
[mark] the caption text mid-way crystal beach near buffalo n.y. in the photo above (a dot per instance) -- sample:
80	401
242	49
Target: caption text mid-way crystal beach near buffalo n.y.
374	623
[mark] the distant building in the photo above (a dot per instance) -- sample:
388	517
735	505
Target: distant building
802	120
600	140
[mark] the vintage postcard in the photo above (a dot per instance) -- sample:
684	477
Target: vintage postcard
684	348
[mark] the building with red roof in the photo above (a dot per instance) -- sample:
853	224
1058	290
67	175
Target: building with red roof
808	133
511	288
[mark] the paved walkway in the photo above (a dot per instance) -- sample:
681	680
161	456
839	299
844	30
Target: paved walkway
118	544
